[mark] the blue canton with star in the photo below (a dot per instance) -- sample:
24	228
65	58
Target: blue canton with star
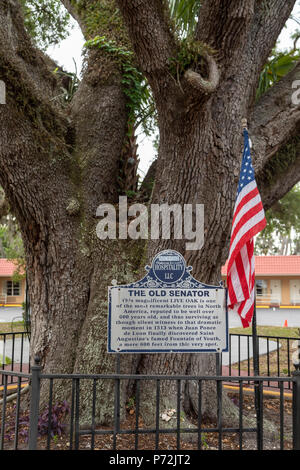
247	172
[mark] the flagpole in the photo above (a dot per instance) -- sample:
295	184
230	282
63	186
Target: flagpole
255	345
257	386
254	339
259	225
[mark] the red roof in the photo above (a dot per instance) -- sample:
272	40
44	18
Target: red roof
7	267
274	266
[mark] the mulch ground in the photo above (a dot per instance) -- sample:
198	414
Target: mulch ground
209	440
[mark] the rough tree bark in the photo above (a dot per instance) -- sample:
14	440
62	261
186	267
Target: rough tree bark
58	164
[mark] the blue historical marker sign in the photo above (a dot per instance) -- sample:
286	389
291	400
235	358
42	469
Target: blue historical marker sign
167	311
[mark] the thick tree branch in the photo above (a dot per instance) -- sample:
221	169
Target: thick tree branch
27	73
274	130
275	118
224	25
153	42
269	20
33	128
243	34
278	179
150	33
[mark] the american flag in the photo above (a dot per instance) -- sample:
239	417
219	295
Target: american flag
248	220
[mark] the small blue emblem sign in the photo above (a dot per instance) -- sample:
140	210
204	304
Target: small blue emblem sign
168	266
167	311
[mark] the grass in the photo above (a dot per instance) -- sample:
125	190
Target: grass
277	331
6	361
279	361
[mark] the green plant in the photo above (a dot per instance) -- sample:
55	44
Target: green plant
184	14
70	83
130	194
204	440
4	360
278	65
190	55
130	403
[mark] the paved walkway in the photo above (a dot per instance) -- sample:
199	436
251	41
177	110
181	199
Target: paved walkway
8	314
270	317
245	345
15	350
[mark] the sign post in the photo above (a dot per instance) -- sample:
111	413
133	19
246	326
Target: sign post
167	311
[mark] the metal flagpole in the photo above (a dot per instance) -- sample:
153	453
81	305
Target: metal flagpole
257	385
255	347
254	339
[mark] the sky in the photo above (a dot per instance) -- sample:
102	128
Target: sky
71	49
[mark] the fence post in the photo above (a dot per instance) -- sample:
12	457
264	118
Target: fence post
34	404
296	410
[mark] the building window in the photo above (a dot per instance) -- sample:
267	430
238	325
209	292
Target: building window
12	288
261	287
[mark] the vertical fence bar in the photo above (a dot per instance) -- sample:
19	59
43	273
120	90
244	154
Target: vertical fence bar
17	415
49	413
248	354
137	414
281	415
296	410
3	413
93	414
260	420
3	356
157	414
241	403
268	360
178	414
199	414
288	359
72	415
219	412
117	403
255	343
239	353
230	338
278	360
77	404
34	404
21	352
12	356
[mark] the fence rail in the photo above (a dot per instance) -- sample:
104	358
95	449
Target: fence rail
14	353
79	437
275	356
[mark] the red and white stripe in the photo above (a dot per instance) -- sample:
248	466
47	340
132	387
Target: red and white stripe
248	220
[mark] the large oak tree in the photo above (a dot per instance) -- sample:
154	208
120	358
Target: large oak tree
59	162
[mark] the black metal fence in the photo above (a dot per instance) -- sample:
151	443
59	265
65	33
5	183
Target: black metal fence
14	353
39	430
275	356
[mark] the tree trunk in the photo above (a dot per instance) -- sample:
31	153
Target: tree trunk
57	165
